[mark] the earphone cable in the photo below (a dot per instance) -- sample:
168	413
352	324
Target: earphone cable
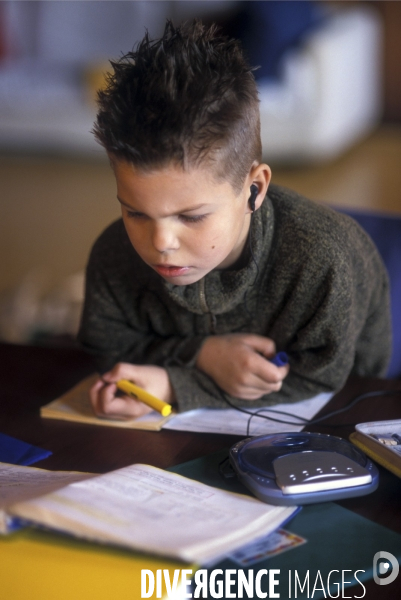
302	420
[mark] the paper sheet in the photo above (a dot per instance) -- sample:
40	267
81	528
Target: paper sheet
229	420
19	483
155	511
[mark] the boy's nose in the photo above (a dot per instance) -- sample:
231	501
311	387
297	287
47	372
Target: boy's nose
164	238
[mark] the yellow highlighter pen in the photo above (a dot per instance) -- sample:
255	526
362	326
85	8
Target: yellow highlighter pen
142	395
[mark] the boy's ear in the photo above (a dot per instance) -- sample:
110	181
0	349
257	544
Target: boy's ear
258	181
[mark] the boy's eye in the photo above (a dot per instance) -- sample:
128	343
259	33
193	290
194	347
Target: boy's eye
186	218
193	219
135	215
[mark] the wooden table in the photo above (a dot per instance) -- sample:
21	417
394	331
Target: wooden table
32	376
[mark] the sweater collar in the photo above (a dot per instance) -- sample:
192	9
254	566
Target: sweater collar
221	290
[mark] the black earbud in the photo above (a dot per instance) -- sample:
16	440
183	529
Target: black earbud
252	197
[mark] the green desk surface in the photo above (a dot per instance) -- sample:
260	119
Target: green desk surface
337	539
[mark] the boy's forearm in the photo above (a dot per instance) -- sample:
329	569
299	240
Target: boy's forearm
194	389
112	345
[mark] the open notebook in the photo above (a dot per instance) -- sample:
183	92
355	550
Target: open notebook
75	406
141	508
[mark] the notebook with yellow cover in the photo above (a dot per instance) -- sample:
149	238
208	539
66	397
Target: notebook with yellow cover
39	565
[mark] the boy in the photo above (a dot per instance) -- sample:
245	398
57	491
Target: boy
211	269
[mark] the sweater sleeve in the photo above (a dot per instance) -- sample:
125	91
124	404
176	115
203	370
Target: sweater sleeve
343	337
110	337
346	327
112	327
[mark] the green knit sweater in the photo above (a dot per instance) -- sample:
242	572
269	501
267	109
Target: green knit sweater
315	285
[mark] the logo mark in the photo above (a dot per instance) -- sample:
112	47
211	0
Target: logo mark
388	564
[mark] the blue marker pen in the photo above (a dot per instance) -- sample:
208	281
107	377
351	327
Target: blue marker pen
280	359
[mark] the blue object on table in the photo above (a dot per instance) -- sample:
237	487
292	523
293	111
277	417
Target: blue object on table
15	452
385	231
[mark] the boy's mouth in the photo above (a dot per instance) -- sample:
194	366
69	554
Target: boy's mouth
170	270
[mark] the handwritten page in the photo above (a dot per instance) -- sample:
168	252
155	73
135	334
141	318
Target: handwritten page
23	483
155	511
75	406
229	420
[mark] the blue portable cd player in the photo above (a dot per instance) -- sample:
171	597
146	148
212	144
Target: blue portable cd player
302	468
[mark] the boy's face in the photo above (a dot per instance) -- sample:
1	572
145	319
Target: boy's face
184	224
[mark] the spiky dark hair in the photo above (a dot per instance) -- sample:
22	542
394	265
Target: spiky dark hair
187	99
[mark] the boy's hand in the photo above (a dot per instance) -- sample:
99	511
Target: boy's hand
239	364
106	402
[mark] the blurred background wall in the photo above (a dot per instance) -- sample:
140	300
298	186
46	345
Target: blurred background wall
330	89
